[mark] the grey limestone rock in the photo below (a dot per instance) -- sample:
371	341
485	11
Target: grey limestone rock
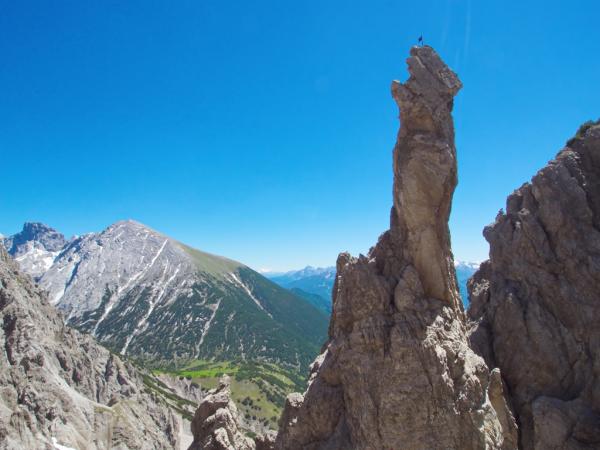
59	386
216	424
535	305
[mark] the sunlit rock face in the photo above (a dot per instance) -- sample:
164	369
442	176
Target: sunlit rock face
535	305
59	387
397	371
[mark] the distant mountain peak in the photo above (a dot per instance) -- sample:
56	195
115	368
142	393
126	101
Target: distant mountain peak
315	284
34	227
35	247
50	239
467	264
311	270
130	223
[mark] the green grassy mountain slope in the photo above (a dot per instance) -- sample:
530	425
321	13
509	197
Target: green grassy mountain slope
314	299
258	389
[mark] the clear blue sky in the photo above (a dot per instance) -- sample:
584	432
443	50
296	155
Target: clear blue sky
263	131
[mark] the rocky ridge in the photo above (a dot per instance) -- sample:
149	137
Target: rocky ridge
534	307
397	370
59	387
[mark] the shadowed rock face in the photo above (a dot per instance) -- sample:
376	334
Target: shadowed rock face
397	371
57	385
535	305
35	247
48	238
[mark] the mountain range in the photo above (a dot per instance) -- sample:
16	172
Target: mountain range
315	284
464	271
151	297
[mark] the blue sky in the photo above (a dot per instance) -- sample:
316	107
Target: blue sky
263	131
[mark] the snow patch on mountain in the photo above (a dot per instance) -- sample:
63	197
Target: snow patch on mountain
464	271
467	264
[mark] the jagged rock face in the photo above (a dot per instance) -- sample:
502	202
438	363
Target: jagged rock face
48	238
35	247
59	386
182	387
535	305
216	425
148	296
397	371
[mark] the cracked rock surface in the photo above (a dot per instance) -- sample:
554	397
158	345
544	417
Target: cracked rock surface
535	306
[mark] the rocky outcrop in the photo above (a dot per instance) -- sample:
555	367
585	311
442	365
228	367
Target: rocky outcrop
58	386
266	441
535	305
397	371
216	424
182	387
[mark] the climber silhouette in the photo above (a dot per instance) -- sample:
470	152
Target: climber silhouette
420	41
